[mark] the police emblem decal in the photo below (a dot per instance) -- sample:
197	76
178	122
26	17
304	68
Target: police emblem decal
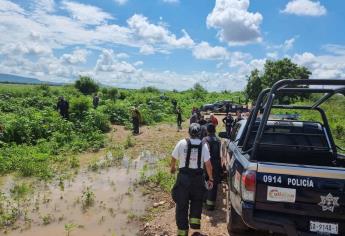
328	203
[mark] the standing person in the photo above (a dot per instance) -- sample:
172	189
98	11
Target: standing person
189	188
62	107
214	145
179	119
174	103
227	108
136	118
228	120
203	126
193	118
238	117
213	120
95	101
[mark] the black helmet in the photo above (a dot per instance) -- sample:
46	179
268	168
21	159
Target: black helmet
194	130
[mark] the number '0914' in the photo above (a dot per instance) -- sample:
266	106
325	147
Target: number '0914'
272	179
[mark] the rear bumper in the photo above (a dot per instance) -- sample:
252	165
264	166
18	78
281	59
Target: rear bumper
270	222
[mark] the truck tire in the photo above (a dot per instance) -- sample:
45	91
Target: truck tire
235	223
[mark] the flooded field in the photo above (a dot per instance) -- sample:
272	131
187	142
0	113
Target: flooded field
103	202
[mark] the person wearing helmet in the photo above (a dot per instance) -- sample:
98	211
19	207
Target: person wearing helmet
189	187
214	146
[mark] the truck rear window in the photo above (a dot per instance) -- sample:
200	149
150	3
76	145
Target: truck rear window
294	143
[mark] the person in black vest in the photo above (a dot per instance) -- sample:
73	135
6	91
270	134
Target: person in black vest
179	118
214	146
227	108
95	101
63	106
136	118
228	121
189	188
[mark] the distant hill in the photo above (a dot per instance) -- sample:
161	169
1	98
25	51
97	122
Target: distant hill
7	78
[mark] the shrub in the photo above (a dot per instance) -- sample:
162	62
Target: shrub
118	112
80	106
98	120
86	85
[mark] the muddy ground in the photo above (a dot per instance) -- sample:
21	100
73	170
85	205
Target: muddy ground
119	205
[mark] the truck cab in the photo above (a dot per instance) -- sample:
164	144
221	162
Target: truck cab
286	176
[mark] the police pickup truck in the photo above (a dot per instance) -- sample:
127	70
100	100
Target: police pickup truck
287	176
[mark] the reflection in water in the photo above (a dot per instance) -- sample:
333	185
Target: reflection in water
55	208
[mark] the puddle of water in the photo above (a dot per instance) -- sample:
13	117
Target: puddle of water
117	202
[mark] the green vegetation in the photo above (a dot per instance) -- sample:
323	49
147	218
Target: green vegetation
87	198
36	141
285	69
273	72
335	112
161	175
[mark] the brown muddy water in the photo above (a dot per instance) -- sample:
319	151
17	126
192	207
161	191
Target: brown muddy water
59	208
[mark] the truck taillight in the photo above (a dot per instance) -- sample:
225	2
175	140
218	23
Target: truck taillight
248	185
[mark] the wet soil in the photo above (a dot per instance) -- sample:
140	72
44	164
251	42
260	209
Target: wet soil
52	207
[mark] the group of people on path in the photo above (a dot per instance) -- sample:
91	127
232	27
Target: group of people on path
200	170
198	177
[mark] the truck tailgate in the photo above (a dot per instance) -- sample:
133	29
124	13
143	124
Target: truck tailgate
314	192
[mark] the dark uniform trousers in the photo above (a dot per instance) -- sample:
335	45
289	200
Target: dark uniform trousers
211	195
135	122
214	147
188	193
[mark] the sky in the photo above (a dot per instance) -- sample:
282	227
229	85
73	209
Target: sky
169	44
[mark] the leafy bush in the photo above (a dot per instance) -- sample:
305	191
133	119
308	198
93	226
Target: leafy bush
80	106
86	85
118	112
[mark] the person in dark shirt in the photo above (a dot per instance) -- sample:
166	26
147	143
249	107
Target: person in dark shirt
193	118
62	107
202	121
136	118
227	108
179	118
95	101
228	121
238	117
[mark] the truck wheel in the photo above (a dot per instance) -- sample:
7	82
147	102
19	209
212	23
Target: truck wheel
234	221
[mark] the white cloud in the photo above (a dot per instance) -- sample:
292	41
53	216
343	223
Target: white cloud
305	8
44	5
122	55
204	51
322	66
272	55
288	44
107	62
147	50
234	23
121	2
87	25
86	14
78	56
8	6
172	1
335	49
138	63
153	34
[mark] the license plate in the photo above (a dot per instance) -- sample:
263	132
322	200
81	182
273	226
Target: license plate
320	227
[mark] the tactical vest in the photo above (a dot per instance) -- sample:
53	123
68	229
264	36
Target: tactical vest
186	168
214	146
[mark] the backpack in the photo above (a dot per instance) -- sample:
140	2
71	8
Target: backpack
214	146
